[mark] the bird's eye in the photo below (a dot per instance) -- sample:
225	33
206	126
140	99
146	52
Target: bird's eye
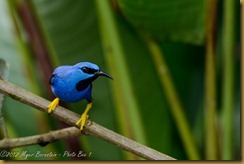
84	69
88	70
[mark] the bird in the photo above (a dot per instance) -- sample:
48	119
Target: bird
72	83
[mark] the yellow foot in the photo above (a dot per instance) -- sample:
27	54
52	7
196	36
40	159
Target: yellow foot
53	105
82	121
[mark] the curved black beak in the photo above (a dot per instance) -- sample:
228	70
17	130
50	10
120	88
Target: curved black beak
100	73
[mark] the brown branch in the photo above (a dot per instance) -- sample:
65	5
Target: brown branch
42	139
71	118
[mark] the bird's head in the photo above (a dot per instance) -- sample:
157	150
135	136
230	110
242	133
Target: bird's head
90	70
81	74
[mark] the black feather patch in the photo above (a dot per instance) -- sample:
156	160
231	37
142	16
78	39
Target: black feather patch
83	84
89	70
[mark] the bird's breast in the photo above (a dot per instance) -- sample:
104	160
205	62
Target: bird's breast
70	91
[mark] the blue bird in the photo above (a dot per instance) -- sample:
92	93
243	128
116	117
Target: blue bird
74	83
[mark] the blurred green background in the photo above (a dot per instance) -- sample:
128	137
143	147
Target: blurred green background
157	53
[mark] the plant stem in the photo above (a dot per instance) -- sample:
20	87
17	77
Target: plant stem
228	78
52	54
173	99
127	106
4	68
71	118
40	52
211	150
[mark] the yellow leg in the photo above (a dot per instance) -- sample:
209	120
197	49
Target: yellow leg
53	105
82	121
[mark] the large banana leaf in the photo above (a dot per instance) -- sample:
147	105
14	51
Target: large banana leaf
181	21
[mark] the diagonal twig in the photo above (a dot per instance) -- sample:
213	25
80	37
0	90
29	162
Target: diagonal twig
42	139
71	118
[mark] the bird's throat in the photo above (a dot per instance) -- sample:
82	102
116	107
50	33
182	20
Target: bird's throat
83	84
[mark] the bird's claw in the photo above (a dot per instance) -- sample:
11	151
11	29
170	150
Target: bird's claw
53	105
82	121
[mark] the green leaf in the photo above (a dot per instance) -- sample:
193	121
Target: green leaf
151	100
174	20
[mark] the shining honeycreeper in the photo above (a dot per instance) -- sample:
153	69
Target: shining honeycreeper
74	83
